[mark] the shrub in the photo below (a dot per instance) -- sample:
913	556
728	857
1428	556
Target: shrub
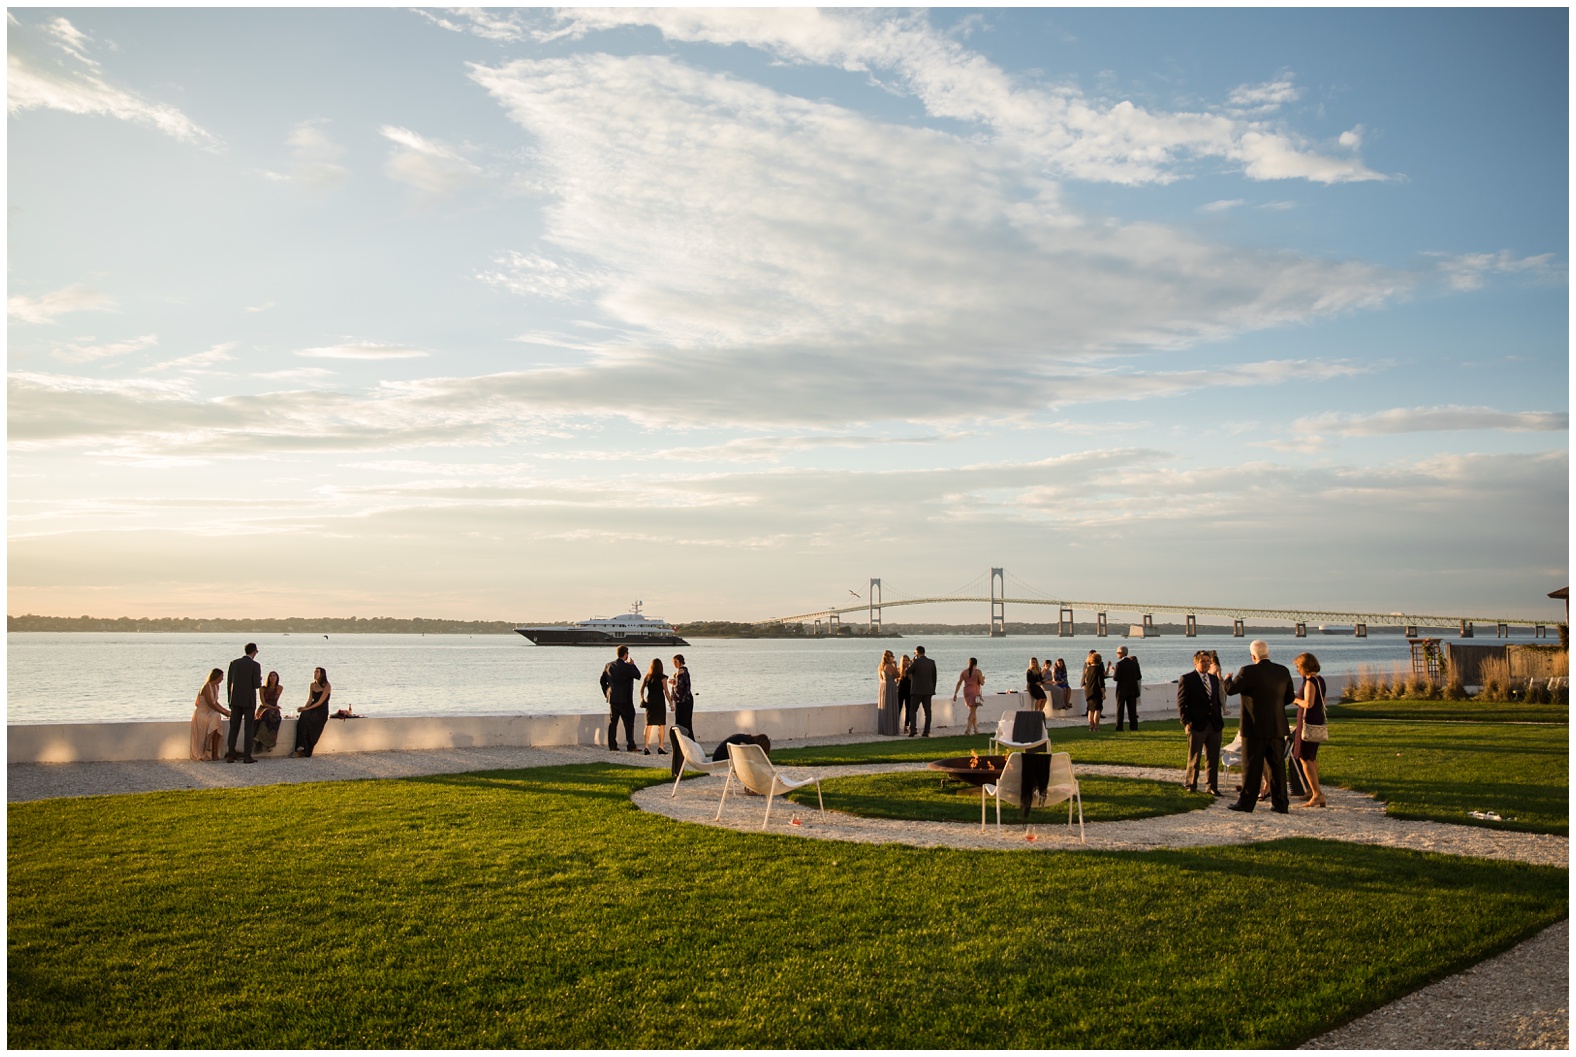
1454	689
1495	673
1361	688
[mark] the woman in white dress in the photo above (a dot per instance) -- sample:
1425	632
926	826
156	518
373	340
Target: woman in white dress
207	730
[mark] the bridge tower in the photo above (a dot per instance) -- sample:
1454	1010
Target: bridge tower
998	604
875	605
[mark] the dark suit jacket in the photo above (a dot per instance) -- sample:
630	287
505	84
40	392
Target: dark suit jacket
1129	679
1266	691
618	683
1196	705
245	679
922	678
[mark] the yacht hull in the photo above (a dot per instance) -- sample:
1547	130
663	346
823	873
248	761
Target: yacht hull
587	637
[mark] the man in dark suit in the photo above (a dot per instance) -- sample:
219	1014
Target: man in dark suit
1129	681
245	679
1199	699
921	688
1266	691
618	686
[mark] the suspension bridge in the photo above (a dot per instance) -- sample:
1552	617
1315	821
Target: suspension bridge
829	620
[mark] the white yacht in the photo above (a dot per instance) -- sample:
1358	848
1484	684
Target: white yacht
633	629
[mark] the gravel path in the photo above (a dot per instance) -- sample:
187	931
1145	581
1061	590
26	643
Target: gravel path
1517	1001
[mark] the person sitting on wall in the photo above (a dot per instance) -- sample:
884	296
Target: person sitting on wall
721	752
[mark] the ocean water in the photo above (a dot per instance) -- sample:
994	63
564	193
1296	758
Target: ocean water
85	677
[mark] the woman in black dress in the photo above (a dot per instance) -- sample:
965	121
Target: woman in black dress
654	699
1310	712
313	716
1094	688
268	715
905	684
682	696
1035	678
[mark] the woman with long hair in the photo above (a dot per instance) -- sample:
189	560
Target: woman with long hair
886	696
682	696
1063	692
1310	713
654	699
207	730
268	715
1094	688
1035	678
971	680
313	716
905	700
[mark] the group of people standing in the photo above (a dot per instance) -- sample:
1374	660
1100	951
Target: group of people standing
903	688
1266	689
253	710
658	692
1126	673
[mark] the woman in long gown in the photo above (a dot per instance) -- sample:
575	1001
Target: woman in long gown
313	716
887	708
207	730
268	715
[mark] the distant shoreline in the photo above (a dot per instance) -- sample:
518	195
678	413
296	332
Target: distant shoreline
708	629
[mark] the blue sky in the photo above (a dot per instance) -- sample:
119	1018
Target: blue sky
524	314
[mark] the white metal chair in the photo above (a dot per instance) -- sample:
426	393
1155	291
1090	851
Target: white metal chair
694	757
1009	787
1003	736
1231	756
757	774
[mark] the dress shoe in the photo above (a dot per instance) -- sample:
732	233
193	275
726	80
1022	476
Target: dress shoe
230	757
662	752
248	759
1240	807
632	749
1280	810
646	751
1215	793
613	747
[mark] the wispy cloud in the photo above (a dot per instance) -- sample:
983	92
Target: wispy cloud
80	352
315	158
1221	205
362	350
1470	271
222	353
1433	419
31	85
264	307
45	308
426	165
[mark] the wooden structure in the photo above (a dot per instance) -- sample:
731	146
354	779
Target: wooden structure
1426	657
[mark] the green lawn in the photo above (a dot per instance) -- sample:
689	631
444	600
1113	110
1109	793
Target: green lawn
1453	711
539	908
919	795
1424	770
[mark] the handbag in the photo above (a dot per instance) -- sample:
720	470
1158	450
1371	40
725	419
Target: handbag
1316	732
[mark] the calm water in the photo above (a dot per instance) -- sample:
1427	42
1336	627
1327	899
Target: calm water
110	676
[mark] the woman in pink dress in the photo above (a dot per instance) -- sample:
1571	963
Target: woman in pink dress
207	730
970	683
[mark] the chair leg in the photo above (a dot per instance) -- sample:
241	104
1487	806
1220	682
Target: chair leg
998	812
676	780
1079	794
818	798
982	809
724	799
769	794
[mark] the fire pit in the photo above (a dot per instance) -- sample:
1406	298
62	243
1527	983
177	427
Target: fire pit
975	770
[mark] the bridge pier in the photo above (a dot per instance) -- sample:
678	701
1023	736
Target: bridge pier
1540	631
1099	625
1149	624
1411	631
1302	629
875	605
1466	629
1192	626
1064	623
1360	631
1502	631
1237	628
998	604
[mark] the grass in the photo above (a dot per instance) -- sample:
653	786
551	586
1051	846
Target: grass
1421	770
539	908
1452	711
919	795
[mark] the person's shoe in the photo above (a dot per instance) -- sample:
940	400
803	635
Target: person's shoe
1191	788
613	747
1240	807
1215	793
913	733
248	759
662	752
1280	810
926	734
230	757
632	749
646	751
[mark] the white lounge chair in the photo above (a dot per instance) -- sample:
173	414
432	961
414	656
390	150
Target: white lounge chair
1009	787
1003	736
757	774
694	758
1231	756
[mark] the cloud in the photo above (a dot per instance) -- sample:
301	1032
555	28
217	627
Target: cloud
47	307
222	353
1434	419
482	22
264	307
1221	206
535	275
362	350
31	86
425	165
81	353
315	157
1470	271
1058	129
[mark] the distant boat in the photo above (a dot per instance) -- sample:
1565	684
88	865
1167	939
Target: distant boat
632	629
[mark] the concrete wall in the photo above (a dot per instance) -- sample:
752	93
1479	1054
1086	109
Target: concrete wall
78	742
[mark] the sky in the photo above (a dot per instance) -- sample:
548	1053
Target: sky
523	315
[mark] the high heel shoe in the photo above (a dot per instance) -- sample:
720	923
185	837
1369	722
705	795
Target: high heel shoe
1317	801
